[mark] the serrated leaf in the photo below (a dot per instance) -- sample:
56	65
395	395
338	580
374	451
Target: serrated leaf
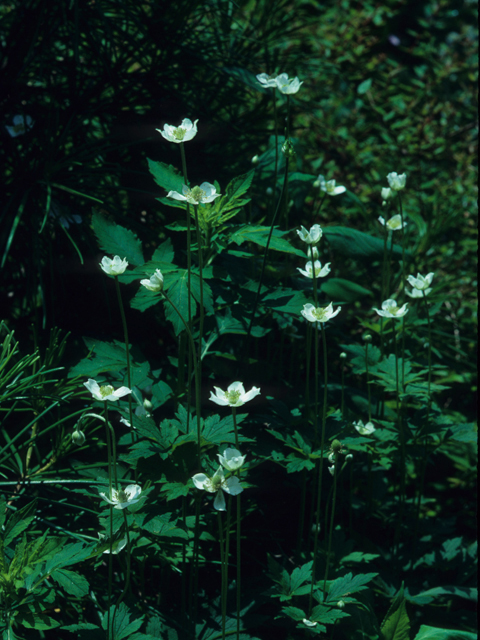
164	252
341	290
106	356
348	584
359	556
18	522
166	176
122	627
177	286
117	240
73	583
299	576
294	612
259	235
396	625
357	244
433	633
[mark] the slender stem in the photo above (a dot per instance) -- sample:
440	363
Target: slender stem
197	377
127	579
285	180
239	561
402	439
301	521
343	388
332	517
368	383
129	371
110	571
320	472
189	273
403	247
315	415
222	572
200	267
307	372
275	124
234	415
225	564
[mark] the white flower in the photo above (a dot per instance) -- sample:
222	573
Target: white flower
206	192
332	469
364	430
310	237
266	80
319	271
105	392
114	267
186	131
394	224
316	255
217	484
329	187
309	623
21	124
123	498
319	314
396	181
416	293
391	310
155	283
421	282
386	193
232	459
286	85
234	396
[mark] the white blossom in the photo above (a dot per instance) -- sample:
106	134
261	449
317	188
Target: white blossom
232	459
319	314
155	282
316	268
390	309
105	392
234	396
394	224
386	193
287	85
186	131
266	81
123	498
329	186
310	237
397	182
421	282
364	429
217	484
114	267
206	192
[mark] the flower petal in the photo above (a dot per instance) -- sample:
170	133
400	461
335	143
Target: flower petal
219	502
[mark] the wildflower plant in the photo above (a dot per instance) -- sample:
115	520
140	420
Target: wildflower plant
162	473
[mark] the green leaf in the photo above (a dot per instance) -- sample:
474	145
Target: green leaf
396	625
18	522
164	252
72	582
117	240
348	584
433	633
357	244
178	293
107	356
358	556
341	290
295	613
299	576
166	176
285	300
364	86
259	235
122	627
469	593
38	621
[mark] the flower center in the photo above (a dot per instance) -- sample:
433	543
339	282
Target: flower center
196	194
330	186
318	313
122	496
179	133
232	396
106	390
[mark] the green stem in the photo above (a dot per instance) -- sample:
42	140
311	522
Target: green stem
402	440
222	573
110	571
189	274
200	267
196	374
239	566
285	181
332	517
368	384
129	371
127	579
320	473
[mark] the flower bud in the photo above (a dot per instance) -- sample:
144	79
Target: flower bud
340	604
336	446
255	160
147	405
343	355
367	338
349	457
269	191
288	150
78	437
